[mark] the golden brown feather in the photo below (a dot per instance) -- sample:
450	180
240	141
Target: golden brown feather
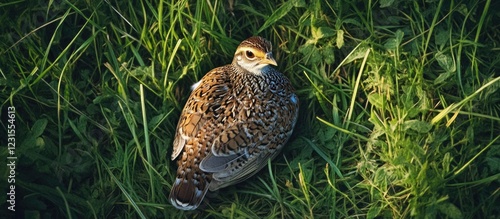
237	117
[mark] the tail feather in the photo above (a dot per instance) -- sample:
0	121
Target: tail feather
186	194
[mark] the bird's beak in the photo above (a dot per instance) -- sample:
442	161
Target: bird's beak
268	59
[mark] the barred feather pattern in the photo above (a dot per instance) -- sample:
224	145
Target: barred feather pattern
238	116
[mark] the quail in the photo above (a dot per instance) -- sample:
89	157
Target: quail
237	117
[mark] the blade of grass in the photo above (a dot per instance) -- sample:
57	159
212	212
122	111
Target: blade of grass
147	143
123	190
459	105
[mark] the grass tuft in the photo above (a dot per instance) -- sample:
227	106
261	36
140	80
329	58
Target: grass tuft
399	117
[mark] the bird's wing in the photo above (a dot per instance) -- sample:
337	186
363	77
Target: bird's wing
203	106
255	132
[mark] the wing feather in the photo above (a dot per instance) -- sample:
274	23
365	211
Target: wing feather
203	106
253	133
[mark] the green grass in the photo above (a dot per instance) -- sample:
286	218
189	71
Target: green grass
399	114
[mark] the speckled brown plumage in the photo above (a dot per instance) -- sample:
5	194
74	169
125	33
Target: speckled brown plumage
236	117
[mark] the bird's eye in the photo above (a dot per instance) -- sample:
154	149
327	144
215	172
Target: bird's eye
249	54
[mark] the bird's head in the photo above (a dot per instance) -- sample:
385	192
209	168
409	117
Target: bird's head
253	54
